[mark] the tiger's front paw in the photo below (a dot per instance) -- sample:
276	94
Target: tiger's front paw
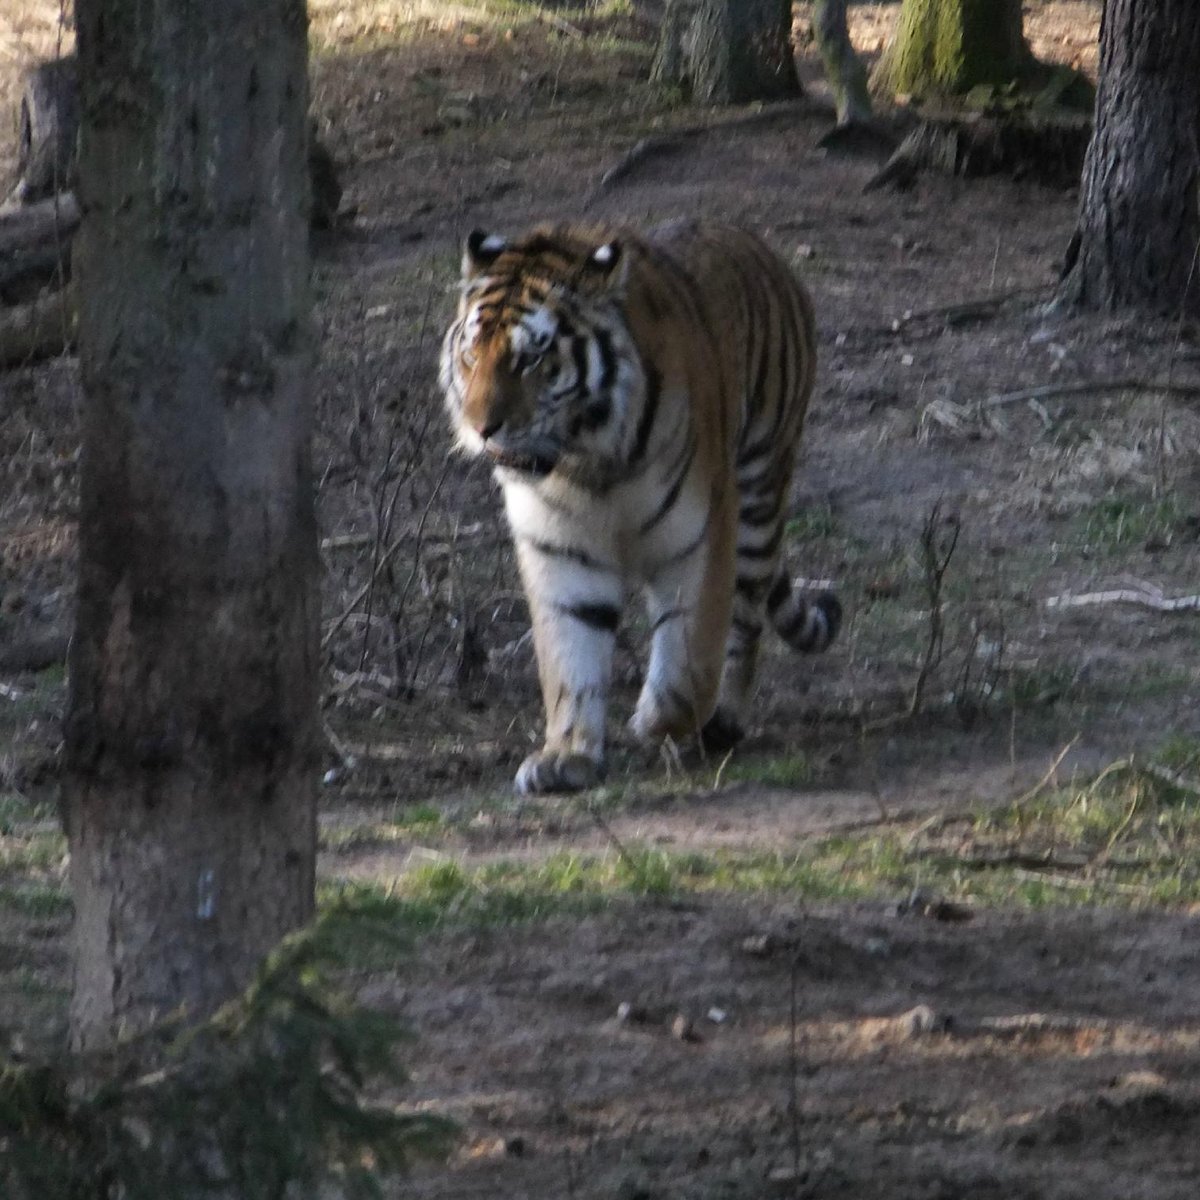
557	771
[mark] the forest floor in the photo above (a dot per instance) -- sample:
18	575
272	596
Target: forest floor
878	952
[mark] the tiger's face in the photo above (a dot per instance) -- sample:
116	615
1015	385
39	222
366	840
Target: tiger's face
529	365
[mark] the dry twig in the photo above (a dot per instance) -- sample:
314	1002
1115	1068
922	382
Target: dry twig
935	558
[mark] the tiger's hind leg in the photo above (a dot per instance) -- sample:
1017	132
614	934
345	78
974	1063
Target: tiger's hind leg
726	727
759	538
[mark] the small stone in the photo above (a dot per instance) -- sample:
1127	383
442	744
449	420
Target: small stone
632	1189
718	1016
630	1014
920	1021
683	1029
761	945
515	1147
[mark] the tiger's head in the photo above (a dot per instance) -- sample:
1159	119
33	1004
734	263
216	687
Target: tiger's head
535	363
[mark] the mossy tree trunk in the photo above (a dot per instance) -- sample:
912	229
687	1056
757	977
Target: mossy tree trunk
728	51
1138	235
843	68
190	731
944	47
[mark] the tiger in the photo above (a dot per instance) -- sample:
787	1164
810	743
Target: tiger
640	398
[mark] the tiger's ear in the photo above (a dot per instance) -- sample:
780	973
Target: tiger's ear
482	249
607	262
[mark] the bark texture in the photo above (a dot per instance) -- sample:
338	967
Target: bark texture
1136	242
950	46
190	729
728	51
49	127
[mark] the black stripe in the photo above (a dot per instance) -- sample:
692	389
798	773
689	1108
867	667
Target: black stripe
761	512
649	410
579	358
608	360
551	550
750	588
796	622
747	628
597	413
781	589
602	617
767	550
760	380
668	500
669	615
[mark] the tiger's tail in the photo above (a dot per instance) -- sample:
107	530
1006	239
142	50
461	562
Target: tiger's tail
808	624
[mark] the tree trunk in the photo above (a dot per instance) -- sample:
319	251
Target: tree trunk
950	46
190	782
728	51
843	68
1138	234
48	130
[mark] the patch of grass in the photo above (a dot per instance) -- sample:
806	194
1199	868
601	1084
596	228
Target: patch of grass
1131	836
1180	752
18	810
1041	685
37	852
790	771
813	524
1119	523
418	816
30	984
35	901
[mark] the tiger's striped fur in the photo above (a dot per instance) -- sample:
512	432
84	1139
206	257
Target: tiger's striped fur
641	399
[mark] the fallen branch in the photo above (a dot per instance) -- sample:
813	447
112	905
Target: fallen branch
40	329
1051	770
1023	1024
646	148
563	27
936	554
1068	882
35	653
35	246
1145	594
1032	860
1187	391
639	153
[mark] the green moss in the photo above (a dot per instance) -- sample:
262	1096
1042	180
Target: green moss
951	46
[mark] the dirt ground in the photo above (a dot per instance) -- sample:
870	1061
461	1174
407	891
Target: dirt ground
829	1048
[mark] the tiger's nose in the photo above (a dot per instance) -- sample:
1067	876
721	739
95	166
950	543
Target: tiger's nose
490	427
